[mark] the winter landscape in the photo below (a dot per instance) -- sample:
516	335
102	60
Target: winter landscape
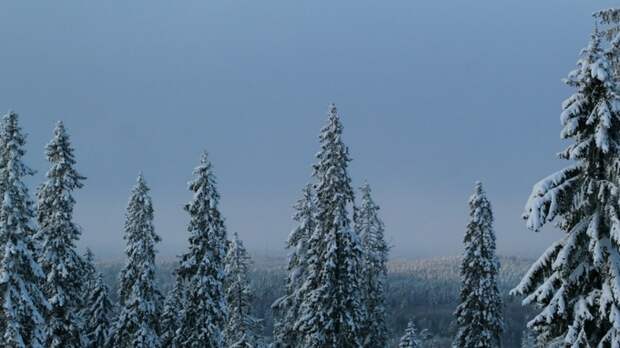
166	181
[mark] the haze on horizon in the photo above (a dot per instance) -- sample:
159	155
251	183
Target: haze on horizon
434	95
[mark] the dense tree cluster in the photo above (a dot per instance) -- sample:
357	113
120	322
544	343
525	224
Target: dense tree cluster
335	292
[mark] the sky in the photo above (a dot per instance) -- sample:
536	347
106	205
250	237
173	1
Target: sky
433	95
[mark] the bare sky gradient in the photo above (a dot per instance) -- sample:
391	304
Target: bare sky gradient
433	95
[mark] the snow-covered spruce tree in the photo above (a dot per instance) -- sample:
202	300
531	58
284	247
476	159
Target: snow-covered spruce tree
608	22
57	236
88	277
201	271
98	314
242	329
88	271
332	313
22	301
286	308
410	339
371	231
137	324
170	317
479	316
576	280
97	308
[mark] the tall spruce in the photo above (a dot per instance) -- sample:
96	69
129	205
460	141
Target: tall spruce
22	301
286	308
332	313
479	316
201	271
410	339
576	281
98	318
371	230
137	324
57	236
242	328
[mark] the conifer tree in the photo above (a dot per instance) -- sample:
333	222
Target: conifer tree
137	324
58	235
287	307
242	329
608	22
88	277
479	316
201	271
575	281
332	312
171	316
410	339
97	308
371	230
98	314
22	301
88	271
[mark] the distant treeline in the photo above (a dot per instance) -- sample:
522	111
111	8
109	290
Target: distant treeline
426	289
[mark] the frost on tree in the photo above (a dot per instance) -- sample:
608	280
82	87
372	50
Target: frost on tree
242	329
22	301
371	230
170	316
57	237
332	313
201	271
97	309
88	272
287	307
137	324
479	316
98	316
576	282
410	339
608	22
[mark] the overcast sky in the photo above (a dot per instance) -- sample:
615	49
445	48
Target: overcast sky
434	95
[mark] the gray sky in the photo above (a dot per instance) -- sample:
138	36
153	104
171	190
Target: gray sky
433	95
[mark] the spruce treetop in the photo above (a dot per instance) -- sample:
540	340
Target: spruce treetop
331	169
332	313
479	316
13	142
13	170
137	324
371	230
201	270
242	329
410	339
140	236
22	302
63	266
